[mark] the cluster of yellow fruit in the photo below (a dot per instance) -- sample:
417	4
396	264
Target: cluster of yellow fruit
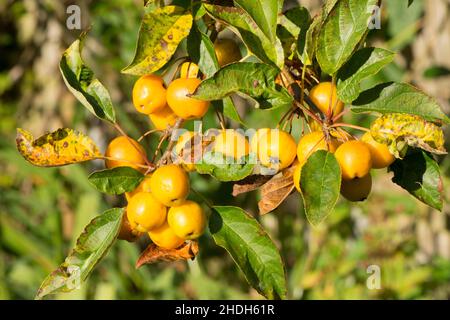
163	105
159	207
355	157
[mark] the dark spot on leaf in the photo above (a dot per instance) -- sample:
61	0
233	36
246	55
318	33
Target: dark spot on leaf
163	44
170	37
255	83
65	144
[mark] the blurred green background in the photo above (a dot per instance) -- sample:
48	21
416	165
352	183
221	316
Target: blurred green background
43	210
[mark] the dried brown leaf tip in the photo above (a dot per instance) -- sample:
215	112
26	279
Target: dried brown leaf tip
153	254
250	183
275	191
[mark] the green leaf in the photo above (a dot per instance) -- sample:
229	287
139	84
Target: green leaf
251	248
308	53
91	247
264	13
159	35
256	80
257	42
228	108
436	72
418	173
342	31
309	50
117	180
363	64
80	80
292	29
399	98
320	183
225	168
201	51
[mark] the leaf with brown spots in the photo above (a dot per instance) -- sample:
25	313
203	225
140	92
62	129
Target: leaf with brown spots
250	183
58	148
275	191
161	31
153	254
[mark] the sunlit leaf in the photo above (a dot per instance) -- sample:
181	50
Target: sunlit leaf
363	64
264	13
269	51
59	148
117	180
398	131
343	29
399	98
255	80
201	51
80	80
159	36
292	29
225	168
91	247
320	183
251	248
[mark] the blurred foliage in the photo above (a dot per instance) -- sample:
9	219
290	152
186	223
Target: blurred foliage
42	211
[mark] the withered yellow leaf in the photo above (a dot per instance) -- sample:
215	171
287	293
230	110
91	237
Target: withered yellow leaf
61	147
398	131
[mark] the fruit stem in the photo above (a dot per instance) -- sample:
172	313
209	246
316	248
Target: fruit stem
207	202
158	148
169	148
147	134
291	82
220	118
331	106
338	125
335	118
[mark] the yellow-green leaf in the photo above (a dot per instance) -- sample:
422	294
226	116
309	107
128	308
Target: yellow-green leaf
398	131
58	148
92	245
160	33
83	84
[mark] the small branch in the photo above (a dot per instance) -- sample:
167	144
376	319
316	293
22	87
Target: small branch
347	125
207	202
158	148
307	111
220	118
335	118
168	151
148	133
